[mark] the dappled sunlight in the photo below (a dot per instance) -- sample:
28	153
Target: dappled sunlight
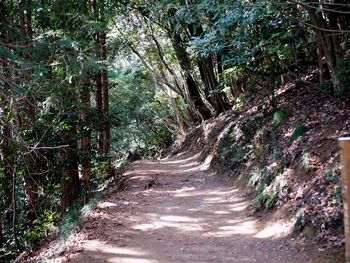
190	213
124	251
239	206
161	223
118	254
106	204
222	212
277	229
173	218
245	227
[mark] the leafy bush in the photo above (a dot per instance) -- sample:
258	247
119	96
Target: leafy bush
44	226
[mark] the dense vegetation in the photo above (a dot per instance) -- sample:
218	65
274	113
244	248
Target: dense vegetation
85	82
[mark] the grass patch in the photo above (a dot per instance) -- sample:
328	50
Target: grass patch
280	117
299	131
75	217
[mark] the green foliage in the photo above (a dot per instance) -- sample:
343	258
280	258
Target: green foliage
280	117
299	221
75	216
270	184
332	176
44	226
235	154
299	131
266	199
344	77
138	110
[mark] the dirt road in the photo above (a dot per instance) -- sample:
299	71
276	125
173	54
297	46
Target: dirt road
186	214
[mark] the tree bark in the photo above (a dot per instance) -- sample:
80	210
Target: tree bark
105	96
98	101
86	140
71	183
206	69
185	64
329	42
30	115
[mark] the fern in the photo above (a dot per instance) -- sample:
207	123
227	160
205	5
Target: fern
300	130
280	117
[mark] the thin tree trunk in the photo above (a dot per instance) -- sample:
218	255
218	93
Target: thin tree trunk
105	96
98	102
2	239
30	106
14	211
98	99
86	140
320	62
7	159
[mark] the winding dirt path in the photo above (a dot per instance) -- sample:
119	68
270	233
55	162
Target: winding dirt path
191	216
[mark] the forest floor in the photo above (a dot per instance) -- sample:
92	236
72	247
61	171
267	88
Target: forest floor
177	210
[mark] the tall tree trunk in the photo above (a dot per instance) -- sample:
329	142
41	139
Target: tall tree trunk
206	69
86	140
98	99
207	73
185	64
105	96
14	211
98	102
30	113
330	42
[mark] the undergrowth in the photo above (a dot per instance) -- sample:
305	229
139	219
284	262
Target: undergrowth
75	218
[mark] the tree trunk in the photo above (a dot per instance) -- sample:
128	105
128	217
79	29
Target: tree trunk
86	140
105	96
321	66
329	42
98	101
206	70
7	160
71	183
193	90
30	113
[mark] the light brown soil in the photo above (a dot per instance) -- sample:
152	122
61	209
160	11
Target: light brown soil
191	216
